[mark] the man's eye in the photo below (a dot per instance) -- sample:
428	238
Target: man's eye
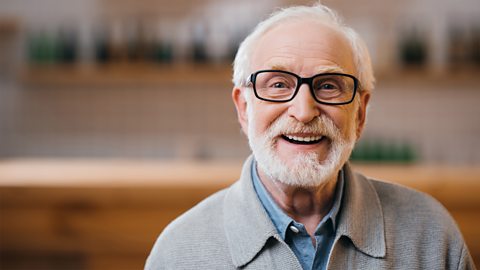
328	86
279	85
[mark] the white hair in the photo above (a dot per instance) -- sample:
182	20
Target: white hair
320	13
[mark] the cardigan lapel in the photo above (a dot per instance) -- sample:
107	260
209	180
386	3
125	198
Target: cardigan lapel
361	215
247	225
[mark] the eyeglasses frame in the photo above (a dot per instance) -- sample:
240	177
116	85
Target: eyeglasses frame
300	80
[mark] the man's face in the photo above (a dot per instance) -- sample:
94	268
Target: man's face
305	48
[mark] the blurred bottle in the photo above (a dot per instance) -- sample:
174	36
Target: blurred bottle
136	43
475	45
102	46
457	47
407	152
384	150
162	45
67	46
162	52
199	52
42	47
413	49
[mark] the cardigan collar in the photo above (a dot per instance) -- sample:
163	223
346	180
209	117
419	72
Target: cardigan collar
361	218
248	226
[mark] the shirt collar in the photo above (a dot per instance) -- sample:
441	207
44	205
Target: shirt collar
279	218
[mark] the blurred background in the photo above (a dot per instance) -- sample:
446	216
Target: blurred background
116	116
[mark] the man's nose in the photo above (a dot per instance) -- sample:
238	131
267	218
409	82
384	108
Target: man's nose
303	107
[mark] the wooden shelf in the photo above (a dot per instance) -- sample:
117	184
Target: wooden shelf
190	74
119	173
420	78
126	75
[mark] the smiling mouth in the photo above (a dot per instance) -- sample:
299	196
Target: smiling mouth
303	139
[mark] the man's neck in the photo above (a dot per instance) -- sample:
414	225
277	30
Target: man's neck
305	205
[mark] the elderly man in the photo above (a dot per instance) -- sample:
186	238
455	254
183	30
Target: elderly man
302	84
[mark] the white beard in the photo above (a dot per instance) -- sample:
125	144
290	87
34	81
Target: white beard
303	169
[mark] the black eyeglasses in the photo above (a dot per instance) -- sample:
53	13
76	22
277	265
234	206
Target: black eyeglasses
283	86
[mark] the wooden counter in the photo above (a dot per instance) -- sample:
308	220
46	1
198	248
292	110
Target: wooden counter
106	214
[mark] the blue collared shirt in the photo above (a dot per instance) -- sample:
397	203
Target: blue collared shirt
295	233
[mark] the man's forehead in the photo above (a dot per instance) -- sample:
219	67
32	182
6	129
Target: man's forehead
318	69
308	29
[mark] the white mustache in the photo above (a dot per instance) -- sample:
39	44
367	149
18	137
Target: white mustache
320	125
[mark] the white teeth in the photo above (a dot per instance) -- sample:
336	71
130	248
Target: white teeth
304	139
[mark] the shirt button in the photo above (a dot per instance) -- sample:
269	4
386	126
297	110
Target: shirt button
294	229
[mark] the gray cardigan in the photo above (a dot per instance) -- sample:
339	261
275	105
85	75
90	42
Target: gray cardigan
380	226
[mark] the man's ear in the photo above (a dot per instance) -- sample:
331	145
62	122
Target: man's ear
241	105
362	112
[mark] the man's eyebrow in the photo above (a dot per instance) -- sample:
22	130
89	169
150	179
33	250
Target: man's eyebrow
329	69
279	67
